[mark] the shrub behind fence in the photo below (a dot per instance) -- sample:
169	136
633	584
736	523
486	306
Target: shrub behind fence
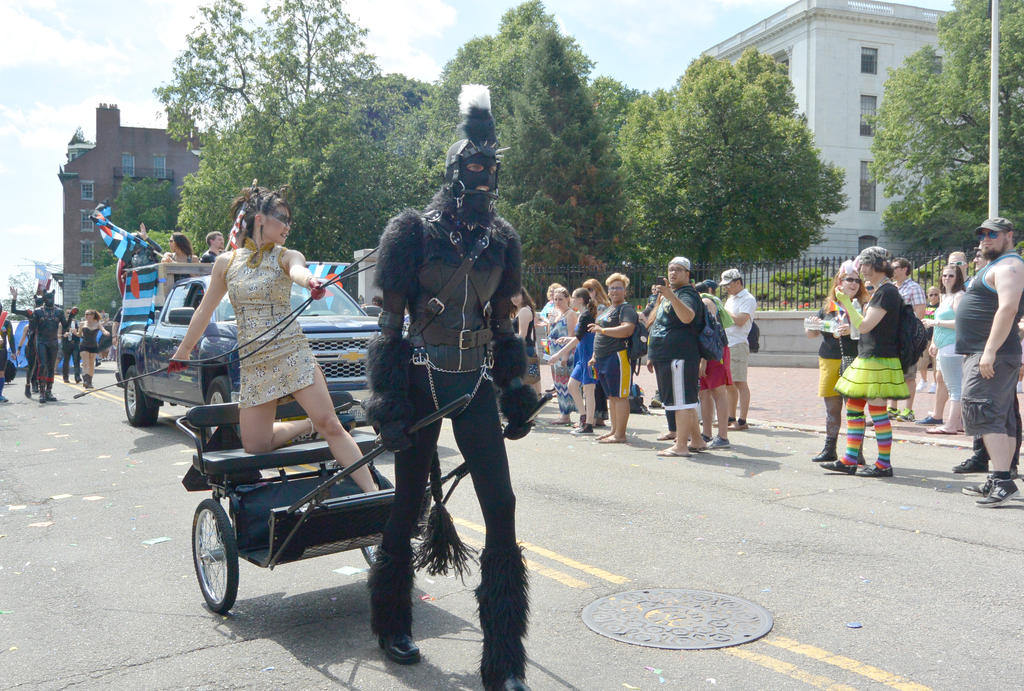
795	284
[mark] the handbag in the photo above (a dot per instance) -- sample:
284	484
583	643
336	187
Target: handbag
532	375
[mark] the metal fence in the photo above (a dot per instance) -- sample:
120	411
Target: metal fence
795	284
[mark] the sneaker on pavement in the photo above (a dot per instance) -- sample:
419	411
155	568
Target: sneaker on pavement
706	438
655	402
718	443
3	400
981	490
922	385
971	465
1000	491
930	420
931	389
907	415
585	429
875	471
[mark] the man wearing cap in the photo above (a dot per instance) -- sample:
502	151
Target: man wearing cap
741	306
673	354
986	334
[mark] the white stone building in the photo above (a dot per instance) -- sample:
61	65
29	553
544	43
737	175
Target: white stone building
839	53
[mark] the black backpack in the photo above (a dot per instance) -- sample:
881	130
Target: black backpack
911	337
712	340
754	337
637	346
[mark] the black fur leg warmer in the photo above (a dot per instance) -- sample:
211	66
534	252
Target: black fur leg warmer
509	361
390	584
503	597
388	371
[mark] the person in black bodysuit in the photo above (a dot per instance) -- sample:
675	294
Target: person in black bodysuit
47	321
459	341
28	337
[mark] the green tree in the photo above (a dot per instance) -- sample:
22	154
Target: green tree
294	101
722	166
561	186
148	201
931	138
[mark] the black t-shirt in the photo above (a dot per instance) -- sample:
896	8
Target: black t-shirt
881	340
208	257
670	338
830	348
581	326
609	319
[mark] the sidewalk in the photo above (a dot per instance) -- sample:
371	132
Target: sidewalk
788	397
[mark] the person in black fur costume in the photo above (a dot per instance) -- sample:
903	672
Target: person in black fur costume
465	345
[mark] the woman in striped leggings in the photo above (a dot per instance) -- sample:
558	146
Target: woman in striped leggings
875	375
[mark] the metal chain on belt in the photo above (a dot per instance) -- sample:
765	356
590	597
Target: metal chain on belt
420	357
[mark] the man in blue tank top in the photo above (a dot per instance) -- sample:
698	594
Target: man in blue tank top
986	333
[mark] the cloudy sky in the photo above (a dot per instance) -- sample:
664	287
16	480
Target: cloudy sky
61	58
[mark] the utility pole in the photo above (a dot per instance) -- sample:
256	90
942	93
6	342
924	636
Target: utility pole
993	118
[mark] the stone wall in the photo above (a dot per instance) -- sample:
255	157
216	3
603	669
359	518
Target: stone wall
784	343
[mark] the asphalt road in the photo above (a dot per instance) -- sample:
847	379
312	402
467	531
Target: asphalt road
932	580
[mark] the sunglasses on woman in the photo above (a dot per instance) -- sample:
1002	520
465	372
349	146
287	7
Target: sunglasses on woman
851	280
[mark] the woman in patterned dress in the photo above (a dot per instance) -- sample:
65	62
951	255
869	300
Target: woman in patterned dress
258	278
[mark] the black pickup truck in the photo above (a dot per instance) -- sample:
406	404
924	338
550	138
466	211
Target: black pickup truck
337	328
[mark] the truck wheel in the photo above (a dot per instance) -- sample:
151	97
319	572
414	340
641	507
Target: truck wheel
219	390
141	410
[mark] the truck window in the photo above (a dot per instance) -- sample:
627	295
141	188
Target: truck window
336	303
175	299
195	295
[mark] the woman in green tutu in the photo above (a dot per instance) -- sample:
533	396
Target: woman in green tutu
876	374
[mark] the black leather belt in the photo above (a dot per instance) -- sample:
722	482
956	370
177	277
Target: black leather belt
435	334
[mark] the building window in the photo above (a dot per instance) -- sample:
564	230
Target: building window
87	224
87	189
82	283
865	241
86	252
869	60
868	107
783	59
160	167
867	188
128	165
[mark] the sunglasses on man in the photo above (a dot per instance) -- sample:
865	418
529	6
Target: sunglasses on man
982	233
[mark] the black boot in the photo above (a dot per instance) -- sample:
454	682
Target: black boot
391	607
88	380
828	453
503	596
28	391
49	392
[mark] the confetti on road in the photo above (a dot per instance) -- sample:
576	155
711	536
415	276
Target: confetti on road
350	571
156	540
6	611
103	456
41	524
60	496
426	598
62	436
182	463
42	450
854	625
630	686
16	507
267	669
906	508
92	498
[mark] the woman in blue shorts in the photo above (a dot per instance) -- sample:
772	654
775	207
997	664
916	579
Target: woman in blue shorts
582	381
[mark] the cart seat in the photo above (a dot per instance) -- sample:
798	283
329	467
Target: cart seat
237	461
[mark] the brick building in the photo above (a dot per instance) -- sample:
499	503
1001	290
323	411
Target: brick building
95	172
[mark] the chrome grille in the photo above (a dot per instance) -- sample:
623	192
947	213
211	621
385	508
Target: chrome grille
343	370
341	358
338	345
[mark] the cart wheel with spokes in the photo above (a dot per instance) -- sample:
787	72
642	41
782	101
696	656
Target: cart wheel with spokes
215	555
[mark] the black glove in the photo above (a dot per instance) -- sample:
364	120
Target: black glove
393	436
519	405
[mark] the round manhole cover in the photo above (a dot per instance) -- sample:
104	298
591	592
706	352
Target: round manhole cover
678	619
